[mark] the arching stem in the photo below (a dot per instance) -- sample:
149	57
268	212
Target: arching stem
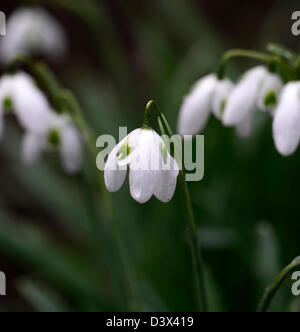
271	291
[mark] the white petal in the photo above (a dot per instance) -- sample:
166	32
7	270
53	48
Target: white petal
286	124
132	141
116	166
153	171
142	182
32	30
222	92
271	84
114	175
30	104
195	110
32	148
243	98
143	176
71	149
6	88
167	181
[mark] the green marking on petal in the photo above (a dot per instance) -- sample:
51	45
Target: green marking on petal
8	103
164	153
54	138
271	98
124	151
223	105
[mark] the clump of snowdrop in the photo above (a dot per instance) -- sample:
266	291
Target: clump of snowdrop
20	94
233	104
61	135
286	124
44	129
258	89
153	171
33	31
208	95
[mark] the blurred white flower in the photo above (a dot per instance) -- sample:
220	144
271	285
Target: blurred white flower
19	93
33	31
286	124
208	94
258	89
62	135
152	169
221	94
269	93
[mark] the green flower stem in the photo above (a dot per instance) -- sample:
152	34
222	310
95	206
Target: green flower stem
282	52
166	128
195	245
263	57
271	291
194	242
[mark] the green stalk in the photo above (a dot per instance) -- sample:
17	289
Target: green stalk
282	52
195	245
194	242
271	291
263	57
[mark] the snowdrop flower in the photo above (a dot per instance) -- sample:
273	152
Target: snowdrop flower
62	135
269	93
257	89
286	124
152	169
208	94
19	93
34	31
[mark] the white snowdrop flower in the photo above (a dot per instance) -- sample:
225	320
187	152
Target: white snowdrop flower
19	93
286	124
33	31
152	169
208	94
222	92
258	89
62	135
269	92
243	99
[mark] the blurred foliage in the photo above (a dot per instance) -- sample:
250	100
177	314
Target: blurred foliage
57	247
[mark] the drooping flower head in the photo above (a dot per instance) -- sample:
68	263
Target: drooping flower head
286	124
62	135
153	171
33	31
258	89
20	94
208	95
